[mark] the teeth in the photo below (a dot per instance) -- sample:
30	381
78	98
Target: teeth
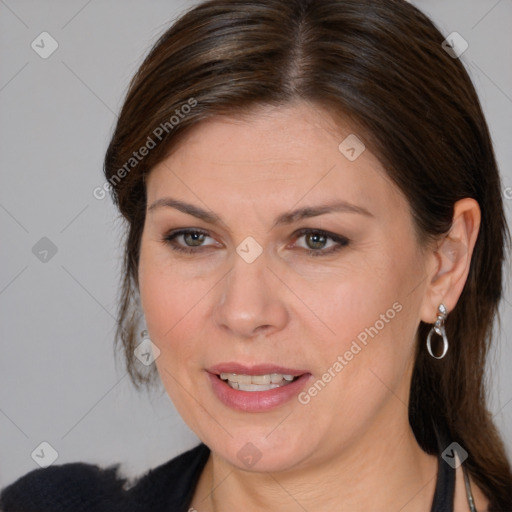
260	379
256	382
256	387
276	378
241	379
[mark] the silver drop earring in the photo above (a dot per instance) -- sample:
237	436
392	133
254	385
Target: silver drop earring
439	329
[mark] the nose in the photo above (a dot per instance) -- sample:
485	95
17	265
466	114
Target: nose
251	300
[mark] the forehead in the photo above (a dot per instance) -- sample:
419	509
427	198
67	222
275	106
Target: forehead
284	154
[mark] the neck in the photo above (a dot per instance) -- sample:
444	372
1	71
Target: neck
368	475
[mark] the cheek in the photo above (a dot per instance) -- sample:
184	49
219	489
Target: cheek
161	293
168	308
369	316
174	309
366	360
169	312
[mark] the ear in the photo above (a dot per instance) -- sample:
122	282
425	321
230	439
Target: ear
450	259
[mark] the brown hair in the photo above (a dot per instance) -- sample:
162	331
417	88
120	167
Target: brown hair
381	64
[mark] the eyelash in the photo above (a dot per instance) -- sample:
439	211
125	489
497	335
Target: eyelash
339	240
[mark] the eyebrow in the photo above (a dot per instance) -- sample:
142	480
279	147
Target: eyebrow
284	218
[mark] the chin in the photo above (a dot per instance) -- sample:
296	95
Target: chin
257	452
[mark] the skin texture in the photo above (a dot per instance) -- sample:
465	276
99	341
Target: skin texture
296	310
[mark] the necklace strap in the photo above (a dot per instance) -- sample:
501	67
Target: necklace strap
469	494
445	485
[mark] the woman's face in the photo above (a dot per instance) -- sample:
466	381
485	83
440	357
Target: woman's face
300	259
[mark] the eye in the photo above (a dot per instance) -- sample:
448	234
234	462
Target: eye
321	243
318	242
192	238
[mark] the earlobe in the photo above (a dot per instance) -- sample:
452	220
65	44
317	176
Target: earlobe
452	257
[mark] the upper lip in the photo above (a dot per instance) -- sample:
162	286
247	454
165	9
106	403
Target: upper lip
258	369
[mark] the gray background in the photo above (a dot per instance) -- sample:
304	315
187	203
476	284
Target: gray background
59	381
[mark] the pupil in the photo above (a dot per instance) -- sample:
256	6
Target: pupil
194	237
318	241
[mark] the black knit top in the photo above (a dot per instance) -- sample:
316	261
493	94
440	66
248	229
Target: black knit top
78	487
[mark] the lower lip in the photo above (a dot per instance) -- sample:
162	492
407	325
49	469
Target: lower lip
256	401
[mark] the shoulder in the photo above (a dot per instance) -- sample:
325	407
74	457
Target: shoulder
75	486
171	484
85	487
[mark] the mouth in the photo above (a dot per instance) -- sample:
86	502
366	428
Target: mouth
256	388
244	382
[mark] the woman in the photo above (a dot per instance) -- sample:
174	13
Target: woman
315	239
